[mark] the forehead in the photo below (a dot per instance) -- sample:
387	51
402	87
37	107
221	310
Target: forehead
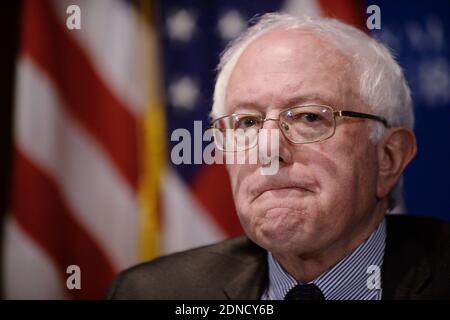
284	67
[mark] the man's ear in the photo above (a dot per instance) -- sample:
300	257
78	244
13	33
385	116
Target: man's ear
397	148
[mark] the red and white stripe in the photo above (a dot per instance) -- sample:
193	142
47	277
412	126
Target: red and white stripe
75	165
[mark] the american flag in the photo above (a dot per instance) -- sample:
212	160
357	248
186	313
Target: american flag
92	182
75	181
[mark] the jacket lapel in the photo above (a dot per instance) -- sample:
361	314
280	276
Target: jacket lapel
251	277
406	269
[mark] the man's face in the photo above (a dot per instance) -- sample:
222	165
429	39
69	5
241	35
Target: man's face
323	193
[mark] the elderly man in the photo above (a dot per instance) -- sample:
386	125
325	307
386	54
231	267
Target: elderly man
316	228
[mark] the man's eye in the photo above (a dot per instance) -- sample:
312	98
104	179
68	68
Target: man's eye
308	117
246	122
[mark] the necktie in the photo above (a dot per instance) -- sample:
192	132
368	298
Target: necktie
305	292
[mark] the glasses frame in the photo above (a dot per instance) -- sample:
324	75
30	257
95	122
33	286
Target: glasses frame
336	113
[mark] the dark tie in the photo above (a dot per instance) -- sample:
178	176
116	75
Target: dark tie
305	292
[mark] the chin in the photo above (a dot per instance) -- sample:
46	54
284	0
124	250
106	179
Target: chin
276	243
279	234
285	230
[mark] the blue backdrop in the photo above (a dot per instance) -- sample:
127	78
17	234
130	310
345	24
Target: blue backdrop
418	32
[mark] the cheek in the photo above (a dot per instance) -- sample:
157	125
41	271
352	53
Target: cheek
239	166
333	163
240	178
348	172
232	174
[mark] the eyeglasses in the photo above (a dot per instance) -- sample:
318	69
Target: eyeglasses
300	125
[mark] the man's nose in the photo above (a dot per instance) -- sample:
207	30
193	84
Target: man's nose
273	125
272	143
269	134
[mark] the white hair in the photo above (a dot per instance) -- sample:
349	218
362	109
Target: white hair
382	85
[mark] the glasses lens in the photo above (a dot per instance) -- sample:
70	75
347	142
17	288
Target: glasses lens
237	132
307	124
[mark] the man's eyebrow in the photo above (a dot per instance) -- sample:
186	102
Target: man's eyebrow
250	107
289	102
309	98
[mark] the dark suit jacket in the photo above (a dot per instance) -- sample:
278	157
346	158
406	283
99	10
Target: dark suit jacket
416	266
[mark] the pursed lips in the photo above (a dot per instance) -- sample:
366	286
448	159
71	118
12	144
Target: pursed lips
261	190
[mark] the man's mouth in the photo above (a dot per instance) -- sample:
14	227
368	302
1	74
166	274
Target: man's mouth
281	191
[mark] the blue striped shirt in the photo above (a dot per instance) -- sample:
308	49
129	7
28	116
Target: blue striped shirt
356	277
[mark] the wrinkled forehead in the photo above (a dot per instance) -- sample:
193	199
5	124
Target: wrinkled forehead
283	67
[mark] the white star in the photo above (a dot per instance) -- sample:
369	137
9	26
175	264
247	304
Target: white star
389	38
434	77
183	93
231	24
425	37
181	25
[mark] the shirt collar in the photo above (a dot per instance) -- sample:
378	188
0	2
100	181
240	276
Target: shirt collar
347	280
